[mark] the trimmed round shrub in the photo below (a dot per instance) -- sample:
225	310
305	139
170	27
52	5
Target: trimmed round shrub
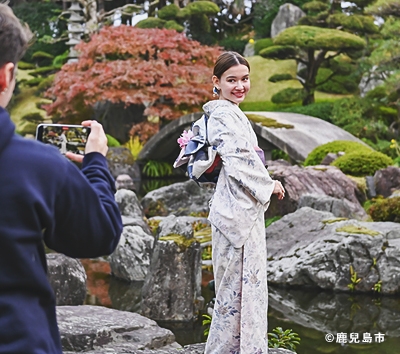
362	162
262	44
26	66
288	95
151	22
173	25
385	209
35	117
316	156
280	77
168	12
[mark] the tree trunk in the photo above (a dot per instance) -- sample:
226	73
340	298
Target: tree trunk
309	98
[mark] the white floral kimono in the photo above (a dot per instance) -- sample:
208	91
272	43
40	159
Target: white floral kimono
242	195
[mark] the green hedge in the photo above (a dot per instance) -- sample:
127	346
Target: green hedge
316	156
321	110
288	95
362	163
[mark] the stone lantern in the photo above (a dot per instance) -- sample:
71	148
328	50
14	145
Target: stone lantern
76	28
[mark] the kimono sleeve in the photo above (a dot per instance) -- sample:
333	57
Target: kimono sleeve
239	158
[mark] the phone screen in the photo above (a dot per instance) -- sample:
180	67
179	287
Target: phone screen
65	137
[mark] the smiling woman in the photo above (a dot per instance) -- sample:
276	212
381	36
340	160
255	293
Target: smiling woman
242	195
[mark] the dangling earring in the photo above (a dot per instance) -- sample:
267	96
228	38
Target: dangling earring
215	92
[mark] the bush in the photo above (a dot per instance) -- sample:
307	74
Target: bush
112	142
385	209
362	162
233	44
262	44
316	156
35	117
151	22
288	95
321	110
280	77
341	85
33	82
45	84
173	25
46	70
26	66
168	12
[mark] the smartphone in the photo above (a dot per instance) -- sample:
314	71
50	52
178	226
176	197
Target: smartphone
65	137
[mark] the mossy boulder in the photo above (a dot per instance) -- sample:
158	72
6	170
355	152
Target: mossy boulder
317	155
362	163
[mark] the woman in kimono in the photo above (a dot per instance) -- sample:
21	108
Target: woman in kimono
242	195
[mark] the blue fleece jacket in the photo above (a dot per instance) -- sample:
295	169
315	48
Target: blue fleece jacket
45	197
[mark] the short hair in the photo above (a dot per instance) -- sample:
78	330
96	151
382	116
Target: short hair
226	60
14	37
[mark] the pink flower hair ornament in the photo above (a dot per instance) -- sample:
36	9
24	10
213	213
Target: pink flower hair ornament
185	138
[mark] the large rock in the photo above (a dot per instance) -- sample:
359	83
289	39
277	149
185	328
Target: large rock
288	16
172	289
97	329
67	277
131	210
312	248
182	225
131	259
180	198
320	180
120	161
338	207
387	181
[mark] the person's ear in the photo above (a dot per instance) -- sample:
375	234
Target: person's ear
215	81
6	76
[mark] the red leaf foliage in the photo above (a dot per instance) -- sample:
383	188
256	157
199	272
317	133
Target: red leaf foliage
161	69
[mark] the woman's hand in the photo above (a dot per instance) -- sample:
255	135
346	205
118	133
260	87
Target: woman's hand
96	142
279	190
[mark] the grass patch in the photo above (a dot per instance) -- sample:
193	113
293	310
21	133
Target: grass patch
268	122
353	229
262	90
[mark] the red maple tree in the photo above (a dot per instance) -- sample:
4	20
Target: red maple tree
161	70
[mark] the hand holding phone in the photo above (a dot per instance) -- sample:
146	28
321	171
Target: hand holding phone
97	141
66	137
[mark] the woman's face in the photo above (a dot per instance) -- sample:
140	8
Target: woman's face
234	84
